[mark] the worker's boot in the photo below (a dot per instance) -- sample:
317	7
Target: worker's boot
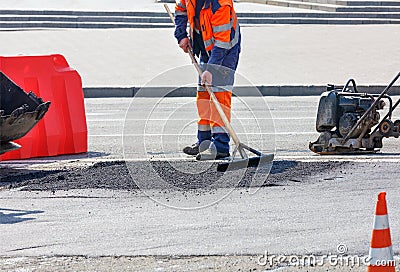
192	150
202	136
208	151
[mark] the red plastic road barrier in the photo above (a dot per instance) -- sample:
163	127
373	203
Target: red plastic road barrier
63	129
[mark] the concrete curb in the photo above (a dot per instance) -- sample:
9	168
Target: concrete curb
284	90
102	92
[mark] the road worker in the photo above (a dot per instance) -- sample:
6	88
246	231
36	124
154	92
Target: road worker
214	37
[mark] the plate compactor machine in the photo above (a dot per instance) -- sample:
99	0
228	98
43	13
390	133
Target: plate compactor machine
350	122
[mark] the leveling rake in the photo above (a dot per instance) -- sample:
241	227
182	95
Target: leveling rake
234	164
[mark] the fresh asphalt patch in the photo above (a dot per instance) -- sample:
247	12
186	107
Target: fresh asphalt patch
179	175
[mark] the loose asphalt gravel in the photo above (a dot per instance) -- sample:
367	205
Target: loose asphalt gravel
120	175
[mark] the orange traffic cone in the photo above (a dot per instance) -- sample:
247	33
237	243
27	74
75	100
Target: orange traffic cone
381	252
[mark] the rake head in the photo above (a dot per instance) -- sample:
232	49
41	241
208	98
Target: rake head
257	161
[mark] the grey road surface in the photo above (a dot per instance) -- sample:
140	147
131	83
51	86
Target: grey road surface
313	217
311	213
312	205
284	123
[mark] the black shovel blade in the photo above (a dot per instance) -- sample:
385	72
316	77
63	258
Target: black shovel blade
8	146
19	112
245	163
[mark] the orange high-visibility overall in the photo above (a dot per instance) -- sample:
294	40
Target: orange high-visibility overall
218	26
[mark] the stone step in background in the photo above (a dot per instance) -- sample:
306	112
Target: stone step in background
335	5
357	3
20	19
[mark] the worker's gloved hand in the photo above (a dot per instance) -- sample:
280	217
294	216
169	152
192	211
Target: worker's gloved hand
184	44
206	78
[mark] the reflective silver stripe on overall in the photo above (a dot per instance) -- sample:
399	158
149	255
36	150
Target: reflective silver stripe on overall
216	89
209	42
224	45
219	130
178	12
221	89
224	27
229	45
204	127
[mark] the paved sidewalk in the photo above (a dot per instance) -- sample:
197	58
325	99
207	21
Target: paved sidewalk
271	55
274	55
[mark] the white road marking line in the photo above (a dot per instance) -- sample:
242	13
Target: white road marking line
358	158
182	158
195	118
191	134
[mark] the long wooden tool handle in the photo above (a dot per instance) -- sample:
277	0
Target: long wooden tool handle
221	112
169	13
214	99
